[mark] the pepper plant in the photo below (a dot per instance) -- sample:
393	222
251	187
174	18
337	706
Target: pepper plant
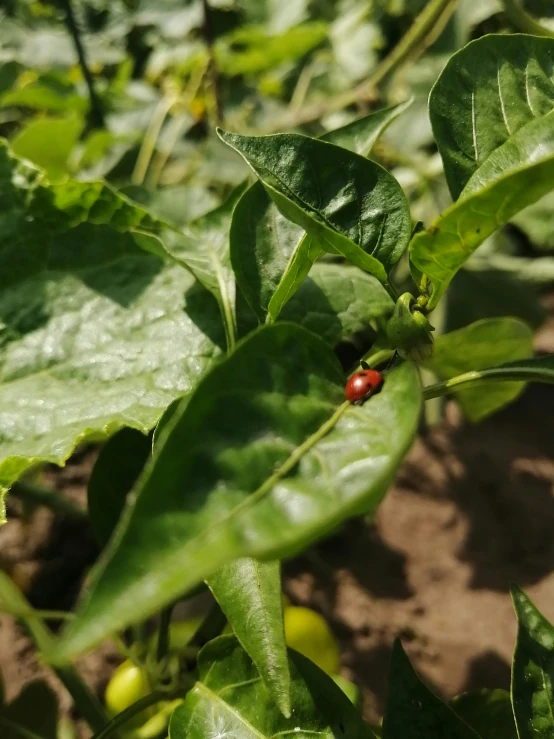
206	355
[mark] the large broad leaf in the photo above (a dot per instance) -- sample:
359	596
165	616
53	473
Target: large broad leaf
533	671
264	458
230	699
95	332
489	712
271	256
249	593
49	142
345	202
413	711
486	93
204	249
514	176
337	301
483	344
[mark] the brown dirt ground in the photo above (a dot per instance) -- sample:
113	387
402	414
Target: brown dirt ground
471	511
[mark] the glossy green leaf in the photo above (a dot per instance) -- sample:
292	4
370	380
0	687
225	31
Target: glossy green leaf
230	699
345	202
35	709
204	249
413	711
337	301
113	476
489	712
483	344
514	176
48	142
96	333
537	369
533	671
259	462
486	93
249	593
271	256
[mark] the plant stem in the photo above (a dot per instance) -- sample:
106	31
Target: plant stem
424	30
163	633
30	492
129	713
207	31
96	114
525	22
150	138
12	601
501	373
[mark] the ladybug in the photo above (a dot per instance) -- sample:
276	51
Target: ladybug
363	384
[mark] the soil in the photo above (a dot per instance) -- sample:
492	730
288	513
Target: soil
472	510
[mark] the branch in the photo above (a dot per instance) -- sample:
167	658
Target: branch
96	115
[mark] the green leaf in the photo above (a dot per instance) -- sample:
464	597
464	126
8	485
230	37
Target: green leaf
486	93
249	593
345	202
413	711
35	709
96	333
537	369
259	462
361	135
260	51
533	671
514	176
483	344
489	712
272	256
230	699
337	301
113	476
48	142
204	249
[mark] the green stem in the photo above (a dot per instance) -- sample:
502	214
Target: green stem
425	29
38	495
473	379
96	113
163	633
19	731
207	32
525	22
129	713
12	601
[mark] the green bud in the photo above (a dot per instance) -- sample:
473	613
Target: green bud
409	330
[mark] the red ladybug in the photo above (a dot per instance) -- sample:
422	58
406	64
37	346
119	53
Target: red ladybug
362	384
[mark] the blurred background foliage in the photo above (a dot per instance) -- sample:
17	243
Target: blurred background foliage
164	73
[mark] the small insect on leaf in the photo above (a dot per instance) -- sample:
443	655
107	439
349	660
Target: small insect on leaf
362	384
